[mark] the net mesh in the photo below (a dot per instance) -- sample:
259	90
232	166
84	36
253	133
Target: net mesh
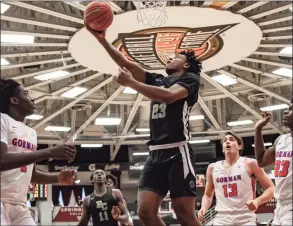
151	12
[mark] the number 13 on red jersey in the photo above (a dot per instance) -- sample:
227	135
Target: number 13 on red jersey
230	190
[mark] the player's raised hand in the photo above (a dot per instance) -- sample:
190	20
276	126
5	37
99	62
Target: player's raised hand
67	177
201	214
97	34
62	151
124	77
265	118
116	212
252	205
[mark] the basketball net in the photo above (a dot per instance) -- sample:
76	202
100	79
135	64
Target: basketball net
151	12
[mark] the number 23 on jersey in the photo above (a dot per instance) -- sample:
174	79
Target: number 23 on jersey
281	168
159	111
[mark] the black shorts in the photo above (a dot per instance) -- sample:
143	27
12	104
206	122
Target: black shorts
170	169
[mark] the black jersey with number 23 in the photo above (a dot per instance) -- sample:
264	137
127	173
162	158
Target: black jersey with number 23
100	209
169	122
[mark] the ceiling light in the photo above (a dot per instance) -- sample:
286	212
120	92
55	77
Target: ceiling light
265	144
52	75
58	128
224	80
4	7
34	117
287	51
108	121
129	91
142	130
140	153
283	72
238	123
275	107
196	117
199	141
22	39
74	92
91	145
4	62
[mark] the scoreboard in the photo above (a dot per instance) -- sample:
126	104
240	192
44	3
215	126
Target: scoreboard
37	192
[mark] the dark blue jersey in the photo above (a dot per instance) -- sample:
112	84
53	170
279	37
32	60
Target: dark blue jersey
100	208
169	123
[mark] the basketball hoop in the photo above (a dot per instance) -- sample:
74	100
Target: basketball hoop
151	12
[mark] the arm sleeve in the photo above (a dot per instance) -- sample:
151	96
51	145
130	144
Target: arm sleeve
4	129
191	82
150	78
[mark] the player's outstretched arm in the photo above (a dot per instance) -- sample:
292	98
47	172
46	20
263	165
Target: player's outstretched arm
16	160
123	217
265	182
186	86
84	220
12	160
208	193
137	71
263	156
65	177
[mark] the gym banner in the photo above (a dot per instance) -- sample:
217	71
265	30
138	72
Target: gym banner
90	167
67	214
73	214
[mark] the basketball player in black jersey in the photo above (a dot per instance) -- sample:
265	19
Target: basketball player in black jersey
170	165
104	205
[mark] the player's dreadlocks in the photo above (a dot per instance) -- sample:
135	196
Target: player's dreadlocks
195	64
8	89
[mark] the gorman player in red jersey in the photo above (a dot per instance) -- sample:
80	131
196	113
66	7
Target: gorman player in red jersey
281	154
233	180
19	152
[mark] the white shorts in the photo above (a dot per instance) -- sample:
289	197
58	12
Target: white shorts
283	214
239	219
15	214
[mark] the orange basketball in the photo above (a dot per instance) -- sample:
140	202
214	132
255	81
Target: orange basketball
98	16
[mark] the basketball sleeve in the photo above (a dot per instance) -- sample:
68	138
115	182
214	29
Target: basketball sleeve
191	82
4	129
150	78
